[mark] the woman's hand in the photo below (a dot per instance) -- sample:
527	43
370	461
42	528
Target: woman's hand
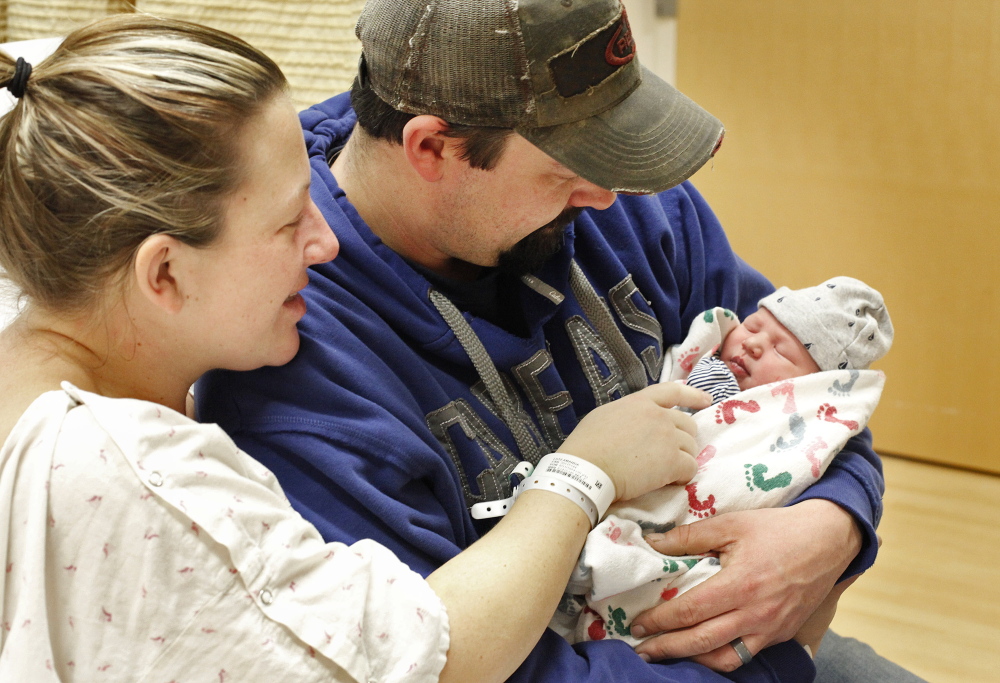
641	444
639	441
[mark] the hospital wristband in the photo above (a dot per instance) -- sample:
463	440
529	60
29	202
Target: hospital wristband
567	475
569	491
588	478
499	508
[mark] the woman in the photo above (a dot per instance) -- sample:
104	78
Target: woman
155	214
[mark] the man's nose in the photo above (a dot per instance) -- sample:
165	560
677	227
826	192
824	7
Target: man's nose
587	194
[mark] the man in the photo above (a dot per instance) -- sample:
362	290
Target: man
492	289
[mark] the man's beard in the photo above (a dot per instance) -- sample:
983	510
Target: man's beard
533	251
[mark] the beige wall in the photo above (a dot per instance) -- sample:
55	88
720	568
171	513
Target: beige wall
863	139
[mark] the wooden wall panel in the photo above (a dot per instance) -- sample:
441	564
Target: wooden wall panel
863	139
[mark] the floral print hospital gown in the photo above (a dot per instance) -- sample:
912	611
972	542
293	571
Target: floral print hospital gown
138	545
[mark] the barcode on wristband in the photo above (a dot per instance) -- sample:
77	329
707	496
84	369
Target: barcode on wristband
553	468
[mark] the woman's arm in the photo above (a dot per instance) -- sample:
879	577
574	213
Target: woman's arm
501	592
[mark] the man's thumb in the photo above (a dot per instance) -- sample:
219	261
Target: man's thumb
687	539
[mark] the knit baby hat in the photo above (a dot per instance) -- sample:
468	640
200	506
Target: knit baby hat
842	322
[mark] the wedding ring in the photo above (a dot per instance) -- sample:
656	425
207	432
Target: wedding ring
742	651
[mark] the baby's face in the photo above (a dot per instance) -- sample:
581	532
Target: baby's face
761	350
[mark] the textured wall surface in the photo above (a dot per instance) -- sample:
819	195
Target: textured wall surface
313	42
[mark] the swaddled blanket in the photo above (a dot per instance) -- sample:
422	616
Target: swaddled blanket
760	448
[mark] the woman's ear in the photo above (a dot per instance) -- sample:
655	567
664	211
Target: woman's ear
156	272
425	146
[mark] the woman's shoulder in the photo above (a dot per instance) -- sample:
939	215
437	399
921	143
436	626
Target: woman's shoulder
131	479
85	415
30	419
111	539
24	379
71	423
150	433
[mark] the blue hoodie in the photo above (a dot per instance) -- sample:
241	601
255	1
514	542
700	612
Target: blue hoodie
383	427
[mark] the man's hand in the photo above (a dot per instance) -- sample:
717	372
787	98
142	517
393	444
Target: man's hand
778	565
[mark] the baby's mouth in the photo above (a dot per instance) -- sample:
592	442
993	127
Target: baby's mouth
736	364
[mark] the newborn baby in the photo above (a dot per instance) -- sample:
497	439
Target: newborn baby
799	365
839	324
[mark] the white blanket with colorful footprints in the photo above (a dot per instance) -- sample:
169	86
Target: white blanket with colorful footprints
761	448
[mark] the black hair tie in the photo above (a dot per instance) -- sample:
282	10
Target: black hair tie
19	81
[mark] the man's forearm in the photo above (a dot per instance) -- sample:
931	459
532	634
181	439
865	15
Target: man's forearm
854	482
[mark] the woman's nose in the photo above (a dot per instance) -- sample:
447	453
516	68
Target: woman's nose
323	245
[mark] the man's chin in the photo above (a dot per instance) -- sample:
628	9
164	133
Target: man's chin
532	252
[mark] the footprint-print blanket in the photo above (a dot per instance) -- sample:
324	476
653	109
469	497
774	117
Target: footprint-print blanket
760	448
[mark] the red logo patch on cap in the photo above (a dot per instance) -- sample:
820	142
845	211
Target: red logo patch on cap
621	49
589	63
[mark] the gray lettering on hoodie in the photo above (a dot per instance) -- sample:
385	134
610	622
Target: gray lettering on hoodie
546	406
621	296
606	378
494	481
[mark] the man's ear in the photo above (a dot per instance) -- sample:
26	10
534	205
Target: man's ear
426	147
155	271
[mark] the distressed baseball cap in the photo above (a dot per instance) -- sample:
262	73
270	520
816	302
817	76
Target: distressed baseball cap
563	73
